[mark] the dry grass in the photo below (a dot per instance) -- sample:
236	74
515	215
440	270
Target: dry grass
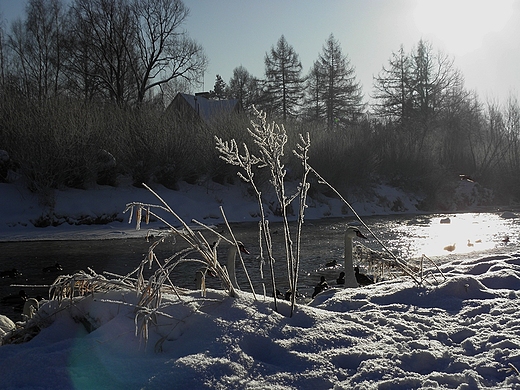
68	290
270	140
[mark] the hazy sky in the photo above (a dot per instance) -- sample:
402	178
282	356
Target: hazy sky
483	36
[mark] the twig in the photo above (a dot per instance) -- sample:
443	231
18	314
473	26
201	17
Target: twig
513	368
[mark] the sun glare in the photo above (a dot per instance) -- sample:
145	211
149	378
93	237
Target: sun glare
455	235
461	25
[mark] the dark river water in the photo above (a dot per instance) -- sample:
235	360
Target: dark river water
408	237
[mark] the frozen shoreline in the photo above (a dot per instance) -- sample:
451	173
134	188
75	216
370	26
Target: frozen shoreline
20	209
453	334
76	211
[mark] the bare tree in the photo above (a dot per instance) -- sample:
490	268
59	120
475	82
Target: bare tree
512	161
2	56
459	122
82	68
38	46
163	52
106	29
490	143
128	48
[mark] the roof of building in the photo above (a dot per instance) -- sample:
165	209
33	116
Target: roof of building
209	108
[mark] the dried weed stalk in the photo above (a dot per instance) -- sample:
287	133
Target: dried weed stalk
403	265
271	138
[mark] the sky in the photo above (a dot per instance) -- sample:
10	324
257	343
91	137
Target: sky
482	36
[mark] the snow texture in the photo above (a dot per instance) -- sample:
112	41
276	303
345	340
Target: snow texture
461	333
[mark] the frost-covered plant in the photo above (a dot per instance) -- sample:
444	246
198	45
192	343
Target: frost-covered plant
197	244
198	250
271	138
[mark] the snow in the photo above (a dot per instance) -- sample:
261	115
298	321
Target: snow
66	209
462	332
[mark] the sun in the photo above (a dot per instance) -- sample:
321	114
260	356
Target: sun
461	25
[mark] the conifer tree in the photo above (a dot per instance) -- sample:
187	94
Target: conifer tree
244	87
336	95
393	89
284	83
219	89
314	104
416	86
416	90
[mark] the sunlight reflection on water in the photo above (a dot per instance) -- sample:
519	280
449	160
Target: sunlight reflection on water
468	233
408	237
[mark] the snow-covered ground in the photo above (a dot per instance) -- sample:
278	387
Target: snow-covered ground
20	210
462	332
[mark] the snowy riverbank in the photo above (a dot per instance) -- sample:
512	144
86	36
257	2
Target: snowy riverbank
97	213
461	334
460	330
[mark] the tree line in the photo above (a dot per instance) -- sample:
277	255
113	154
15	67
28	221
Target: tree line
423	129
110	50
84	88
329	94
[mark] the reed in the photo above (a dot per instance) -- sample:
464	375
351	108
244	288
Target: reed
270	139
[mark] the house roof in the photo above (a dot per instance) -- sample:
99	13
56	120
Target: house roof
208	108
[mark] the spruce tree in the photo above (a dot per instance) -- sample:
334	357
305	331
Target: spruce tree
284	84
219	89
339	93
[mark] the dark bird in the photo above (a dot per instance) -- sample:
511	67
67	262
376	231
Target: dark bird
279	294
331	263
321	286
53	268
362	279
16	300
288	295
341	278
11	273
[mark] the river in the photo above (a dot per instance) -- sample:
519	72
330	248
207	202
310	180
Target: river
407	236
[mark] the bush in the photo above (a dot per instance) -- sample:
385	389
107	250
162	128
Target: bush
66	143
